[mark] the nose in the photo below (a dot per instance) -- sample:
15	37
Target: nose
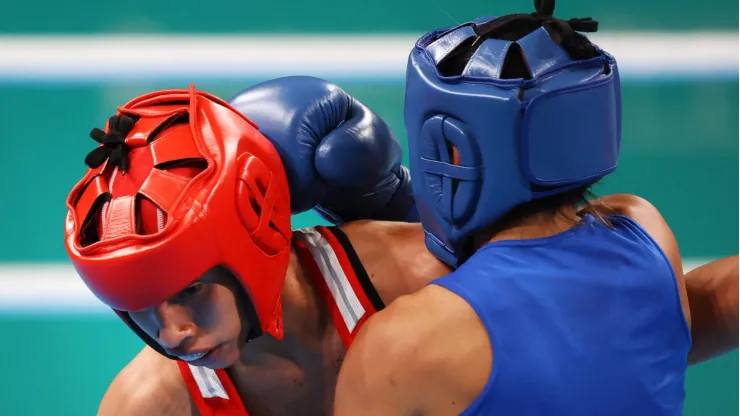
175	326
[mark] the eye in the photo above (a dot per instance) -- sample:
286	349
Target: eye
187	293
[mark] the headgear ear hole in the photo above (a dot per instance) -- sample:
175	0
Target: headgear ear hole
274	227
454	158
255	204
255	208
451	167
464	156
453	152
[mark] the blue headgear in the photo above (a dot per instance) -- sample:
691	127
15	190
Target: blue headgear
533	108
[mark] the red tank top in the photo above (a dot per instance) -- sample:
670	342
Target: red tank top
345	289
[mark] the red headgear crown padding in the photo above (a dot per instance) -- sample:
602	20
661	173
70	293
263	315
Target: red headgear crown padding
200	187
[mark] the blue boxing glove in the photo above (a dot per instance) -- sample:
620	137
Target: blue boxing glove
341	158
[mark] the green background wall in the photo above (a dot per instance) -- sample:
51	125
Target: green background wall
680	150
337	16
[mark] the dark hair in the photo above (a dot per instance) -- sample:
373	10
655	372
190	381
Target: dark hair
552	205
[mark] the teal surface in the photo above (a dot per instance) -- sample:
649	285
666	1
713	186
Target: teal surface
335	16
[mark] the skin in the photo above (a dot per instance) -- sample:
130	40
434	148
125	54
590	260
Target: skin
713	297
407	359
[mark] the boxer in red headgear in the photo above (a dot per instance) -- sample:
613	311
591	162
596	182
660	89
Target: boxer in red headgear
182	226
180	185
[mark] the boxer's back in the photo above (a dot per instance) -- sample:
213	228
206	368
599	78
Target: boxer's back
584	322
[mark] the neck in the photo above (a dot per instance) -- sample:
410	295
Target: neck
304	315
539	225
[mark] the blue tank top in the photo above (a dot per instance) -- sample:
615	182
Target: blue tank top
586	322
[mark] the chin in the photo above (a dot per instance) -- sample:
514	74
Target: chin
229	356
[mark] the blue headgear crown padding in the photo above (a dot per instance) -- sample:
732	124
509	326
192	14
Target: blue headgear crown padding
532	107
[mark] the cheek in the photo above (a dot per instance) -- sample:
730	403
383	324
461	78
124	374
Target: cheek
218	313
207	315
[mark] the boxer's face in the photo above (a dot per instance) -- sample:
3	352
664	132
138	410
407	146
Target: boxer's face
201	324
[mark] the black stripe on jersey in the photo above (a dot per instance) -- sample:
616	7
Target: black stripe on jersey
359	269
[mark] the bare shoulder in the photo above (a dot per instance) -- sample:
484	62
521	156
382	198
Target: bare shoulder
649	218
365	234
150	384
626	204
369	239
426	353
633	206
394	256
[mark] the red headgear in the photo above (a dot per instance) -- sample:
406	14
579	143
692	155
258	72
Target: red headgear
181	183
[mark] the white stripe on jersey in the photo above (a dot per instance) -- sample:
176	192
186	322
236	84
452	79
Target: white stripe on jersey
208	382
341	290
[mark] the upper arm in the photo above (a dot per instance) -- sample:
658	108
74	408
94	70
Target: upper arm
369	381
409	359
149	385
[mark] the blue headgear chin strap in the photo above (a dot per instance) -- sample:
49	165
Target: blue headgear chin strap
532	106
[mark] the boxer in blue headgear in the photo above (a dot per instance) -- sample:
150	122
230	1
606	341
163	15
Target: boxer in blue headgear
554	309
531	109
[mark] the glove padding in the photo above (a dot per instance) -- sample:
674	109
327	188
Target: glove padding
341	158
